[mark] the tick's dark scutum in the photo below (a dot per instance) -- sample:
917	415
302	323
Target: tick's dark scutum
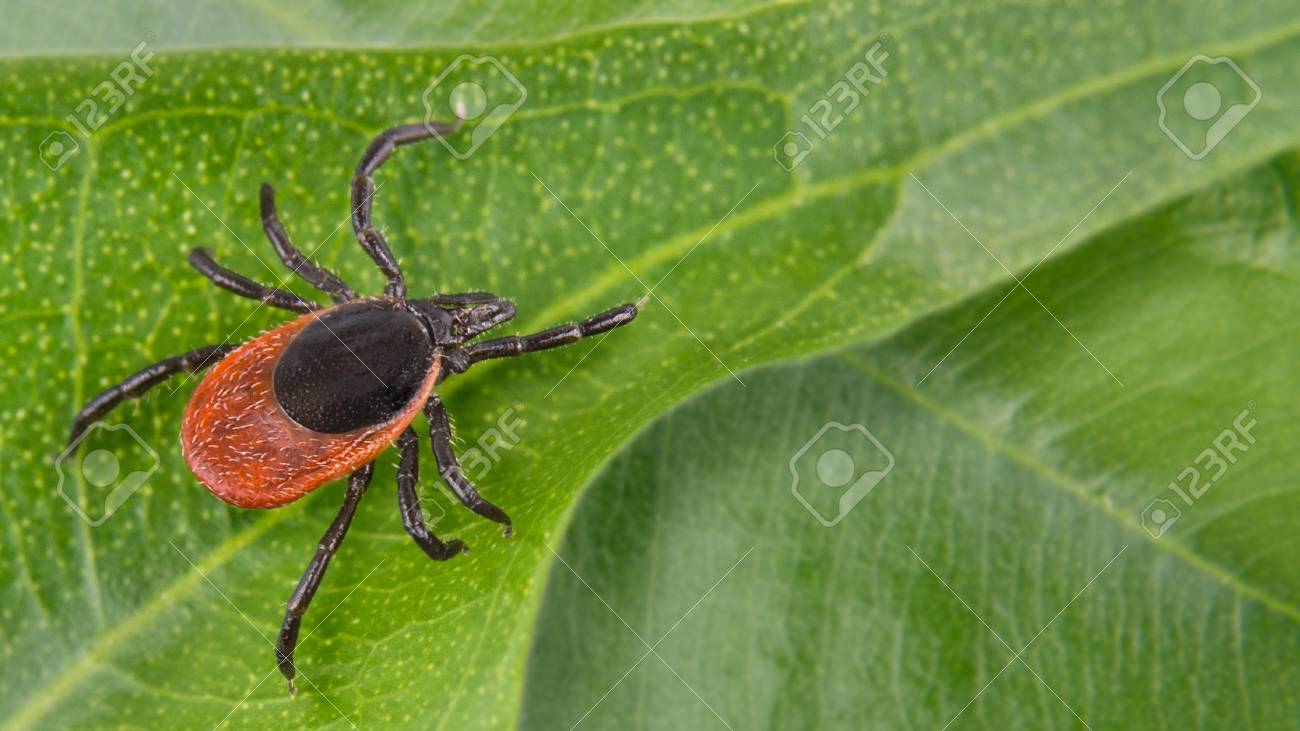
355	366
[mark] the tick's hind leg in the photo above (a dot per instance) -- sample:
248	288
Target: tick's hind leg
318	276
449	467
310	582
201	259
138	383
408	471
459	361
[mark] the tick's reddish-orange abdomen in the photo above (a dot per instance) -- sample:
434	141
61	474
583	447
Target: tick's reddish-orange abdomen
241	445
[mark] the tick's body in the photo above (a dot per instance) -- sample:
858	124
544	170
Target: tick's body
295	409
320	397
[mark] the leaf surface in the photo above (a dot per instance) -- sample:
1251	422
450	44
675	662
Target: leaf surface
642	158
1001	574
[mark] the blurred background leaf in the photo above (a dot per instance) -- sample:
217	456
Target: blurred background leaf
1016	513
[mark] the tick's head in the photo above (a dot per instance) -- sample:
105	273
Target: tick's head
475	319
454	319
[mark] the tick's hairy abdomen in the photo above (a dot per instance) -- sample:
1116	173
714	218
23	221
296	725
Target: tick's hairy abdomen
244	447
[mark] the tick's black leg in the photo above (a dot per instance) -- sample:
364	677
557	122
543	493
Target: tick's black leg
374	244
408	471
459	361
201	259
449	467
325	550
363	185
145	379
363	190
318	276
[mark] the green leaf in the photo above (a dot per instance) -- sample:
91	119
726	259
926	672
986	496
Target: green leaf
1016	511
642	157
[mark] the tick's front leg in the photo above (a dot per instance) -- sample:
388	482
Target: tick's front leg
460	360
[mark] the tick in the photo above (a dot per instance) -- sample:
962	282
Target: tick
321	396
